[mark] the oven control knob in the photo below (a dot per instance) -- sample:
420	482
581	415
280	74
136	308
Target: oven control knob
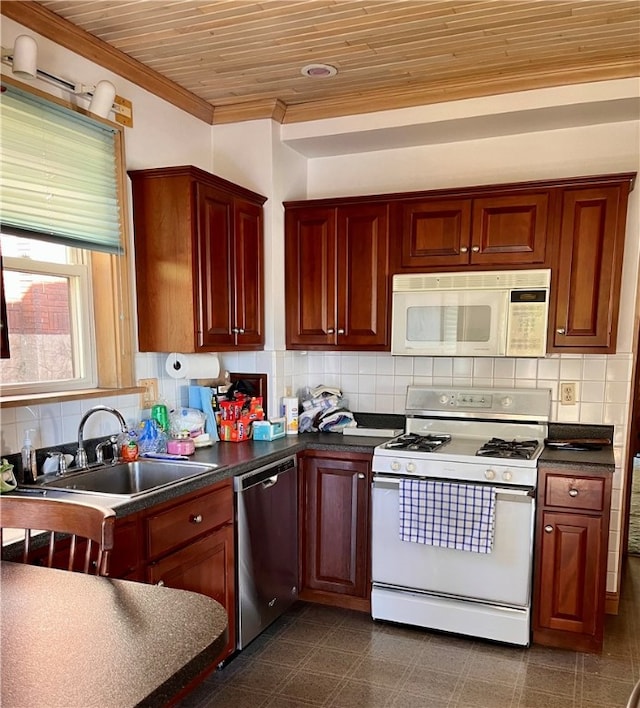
506	401
507	476
489	474
411	467
395	466
444	398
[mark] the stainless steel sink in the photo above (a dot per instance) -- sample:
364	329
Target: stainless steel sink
129	478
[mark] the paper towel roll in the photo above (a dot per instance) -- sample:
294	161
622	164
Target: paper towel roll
192	366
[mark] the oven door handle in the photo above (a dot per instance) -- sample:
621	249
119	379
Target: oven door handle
388	482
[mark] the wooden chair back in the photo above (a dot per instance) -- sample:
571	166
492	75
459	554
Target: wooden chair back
89	527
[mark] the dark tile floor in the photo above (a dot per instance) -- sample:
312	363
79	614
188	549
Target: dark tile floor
320	656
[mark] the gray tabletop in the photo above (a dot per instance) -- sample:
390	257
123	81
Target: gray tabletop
70	639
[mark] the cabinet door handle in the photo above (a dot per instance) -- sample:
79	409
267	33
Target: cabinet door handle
160	583
548	529
340	331
240	331
197	519
476	249
561	330
331	330
361	475
464	249
573	492
234	330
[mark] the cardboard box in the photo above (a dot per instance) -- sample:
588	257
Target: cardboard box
269	429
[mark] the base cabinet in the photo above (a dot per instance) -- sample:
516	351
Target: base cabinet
189	545
335	547
203	567
571	558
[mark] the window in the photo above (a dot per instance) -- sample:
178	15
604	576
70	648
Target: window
65	272
49	315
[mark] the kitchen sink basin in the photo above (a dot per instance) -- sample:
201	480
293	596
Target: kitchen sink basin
129	478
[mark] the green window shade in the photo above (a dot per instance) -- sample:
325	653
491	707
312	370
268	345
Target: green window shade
58	178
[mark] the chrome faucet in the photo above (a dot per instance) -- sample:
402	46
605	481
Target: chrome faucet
81	454
113	441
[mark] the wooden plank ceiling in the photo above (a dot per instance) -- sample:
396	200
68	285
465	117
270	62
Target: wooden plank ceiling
244	58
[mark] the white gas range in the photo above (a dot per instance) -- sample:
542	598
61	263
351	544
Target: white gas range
461	477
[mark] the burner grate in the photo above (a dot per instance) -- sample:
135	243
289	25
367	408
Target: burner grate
418	443
519	449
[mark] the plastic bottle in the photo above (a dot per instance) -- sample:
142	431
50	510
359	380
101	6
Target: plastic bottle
29	466
129	446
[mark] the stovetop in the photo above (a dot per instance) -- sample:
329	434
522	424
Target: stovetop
469	434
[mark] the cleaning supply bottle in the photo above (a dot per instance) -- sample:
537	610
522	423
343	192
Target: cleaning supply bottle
29	466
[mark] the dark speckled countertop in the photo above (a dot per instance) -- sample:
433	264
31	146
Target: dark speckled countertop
602	459
232	459
70	639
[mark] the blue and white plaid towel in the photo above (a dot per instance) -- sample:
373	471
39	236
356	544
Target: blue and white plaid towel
448	514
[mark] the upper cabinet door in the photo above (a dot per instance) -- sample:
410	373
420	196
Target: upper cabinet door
310	277
589	269
363	282
248	266
510	230
214	259
435	233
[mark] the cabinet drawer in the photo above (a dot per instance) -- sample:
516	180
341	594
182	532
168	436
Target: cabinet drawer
575	492
183	522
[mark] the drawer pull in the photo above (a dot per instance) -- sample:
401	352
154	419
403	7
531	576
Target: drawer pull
160	583
197	519
361	475
548	529
573	492
561	330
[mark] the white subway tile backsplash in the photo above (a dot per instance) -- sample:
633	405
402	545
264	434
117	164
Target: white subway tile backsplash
504	369
384	403
594	368
366	403
549	368
463	367
384	366
483	369
568	414
405	365
442	367
422	366
617	392
591	412
349	364
571	369
614	413
592	391
366	364
619	368
526	369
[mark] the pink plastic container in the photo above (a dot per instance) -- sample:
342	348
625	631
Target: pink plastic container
181	446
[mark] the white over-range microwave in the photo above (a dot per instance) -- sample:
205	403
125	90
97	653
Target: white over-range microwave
488	313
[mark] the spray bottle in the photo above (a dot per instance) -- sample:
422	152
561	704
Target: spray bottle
29	466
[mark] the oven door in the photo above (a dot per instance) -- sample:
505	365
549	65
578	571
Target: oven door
502	577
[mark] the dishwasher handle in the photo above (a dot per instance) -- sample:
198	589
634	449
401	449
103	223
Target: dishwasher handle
266	476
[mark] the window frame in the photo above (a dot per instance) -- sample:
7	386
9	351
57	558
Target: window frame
111	295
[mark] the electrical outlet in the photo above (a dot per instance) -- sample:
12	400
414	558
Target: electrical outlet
568	394
150	395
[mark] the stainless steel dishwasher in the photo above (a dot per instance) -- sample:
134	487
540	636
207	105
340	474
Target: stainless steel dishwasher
267	546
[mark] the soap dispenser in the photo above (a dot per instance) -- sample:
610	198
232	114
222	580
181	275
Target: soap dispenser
29	466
